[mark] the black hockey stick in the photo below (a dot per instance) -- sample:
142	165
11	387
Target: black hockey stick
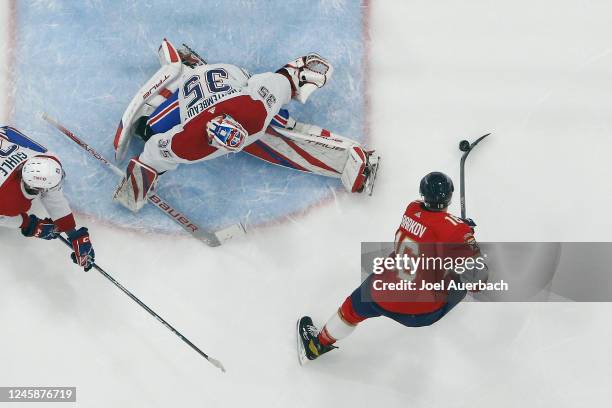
214	362
465	147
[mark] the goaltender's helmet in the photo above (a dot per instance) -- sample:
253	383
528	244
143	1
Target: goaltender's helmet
437	191
41	174
226	133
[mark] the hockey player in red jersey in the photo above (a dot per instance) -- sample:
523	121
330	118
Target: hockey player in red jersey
426	230
28	172
190	111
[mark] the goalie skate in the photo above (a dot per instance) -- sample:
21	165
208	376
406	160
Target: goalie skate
371	172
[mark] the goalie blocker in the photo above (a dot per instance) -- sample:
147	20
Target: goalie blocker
135	188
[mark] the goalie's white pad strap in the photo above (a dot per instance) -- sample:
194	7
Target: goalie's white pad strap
143	102
134	189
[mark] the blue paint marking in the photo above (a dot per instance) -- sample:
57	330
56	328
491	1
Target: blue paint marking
82	62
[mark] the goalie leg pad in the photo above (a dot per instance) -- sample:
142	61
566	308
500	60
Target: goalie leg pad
353	176
157	89
140	180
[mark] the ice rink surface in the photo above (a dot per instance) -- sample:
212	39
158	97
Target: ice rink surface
538	75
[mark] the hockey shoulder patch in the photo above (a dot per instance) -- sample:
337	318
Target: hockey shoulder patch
140	180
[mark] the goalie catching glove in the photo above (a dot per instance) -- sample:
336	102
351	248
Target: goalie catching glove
307	74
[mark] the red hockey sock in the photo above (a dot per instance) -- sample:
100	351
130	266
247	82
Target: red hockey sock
325	338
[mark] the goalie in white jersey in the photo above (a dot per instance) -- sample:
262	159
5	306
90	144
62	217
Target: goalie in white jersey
191	111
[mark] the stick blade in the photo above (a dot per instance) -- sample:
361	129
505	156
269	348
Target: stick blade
216	363
478	140
233	231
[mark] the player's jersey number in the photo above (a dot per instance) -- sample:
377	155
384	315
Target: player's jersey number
214	83
406	246
192	87
214	80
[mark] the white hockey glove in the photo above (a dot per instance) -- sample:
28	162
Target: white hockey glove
307	74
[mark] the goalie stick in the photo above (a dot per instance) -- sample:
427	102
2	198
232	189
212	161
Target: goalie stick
466	147
212	239
213	361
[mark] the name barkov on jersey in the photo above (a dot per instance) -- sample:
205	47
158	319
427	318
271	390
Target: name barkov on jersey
380	285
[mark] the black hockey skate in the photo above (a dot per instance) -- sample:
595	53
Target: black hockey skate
308	344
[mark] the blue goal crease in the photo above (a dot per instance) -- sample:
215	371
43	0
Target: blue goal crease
82	62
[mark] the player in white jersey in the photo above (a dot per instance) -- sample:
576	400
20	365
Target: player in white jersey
28	172
191	111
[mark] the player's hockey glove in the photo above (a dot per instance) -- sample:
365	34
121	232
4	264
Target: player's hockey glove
469	222
35	227
83	254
